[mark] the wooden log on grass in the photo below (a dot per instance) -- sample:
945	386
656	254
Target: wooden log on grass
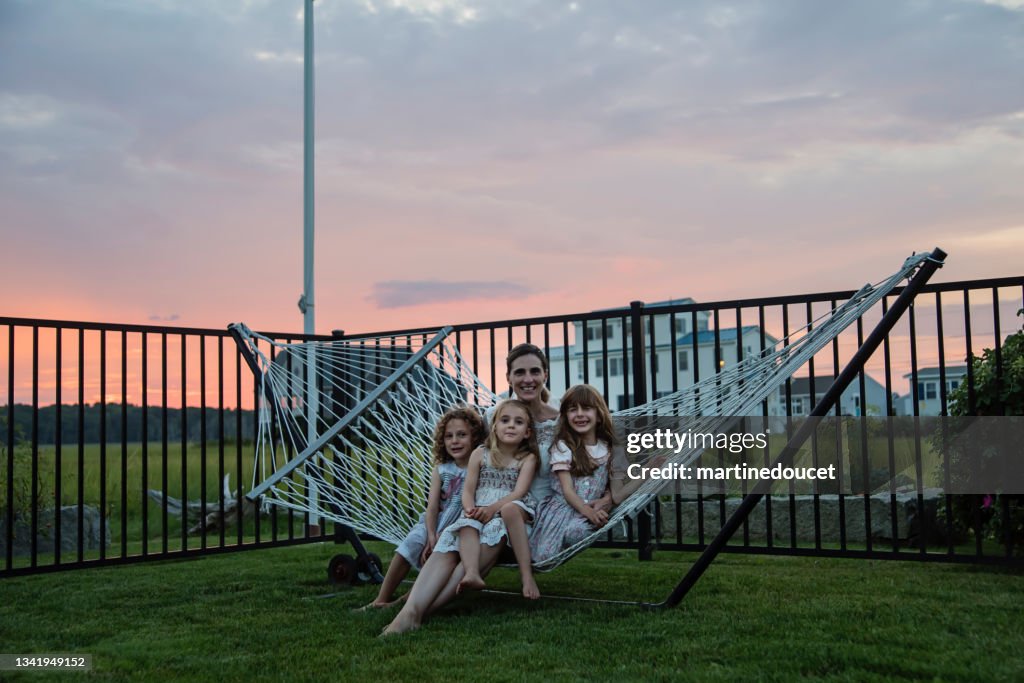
214	520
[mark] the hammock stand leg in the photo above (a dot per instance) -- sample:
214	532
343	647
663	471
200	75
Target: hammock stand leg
822	409
342	532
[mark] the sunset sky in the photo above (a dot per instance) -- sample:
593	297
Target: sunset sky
486	160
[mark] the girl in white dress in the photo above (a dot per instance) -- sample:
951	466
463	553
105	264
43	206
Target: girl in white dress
498	474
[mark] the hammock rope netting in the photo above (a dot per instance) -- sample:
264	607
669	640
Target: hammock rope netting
365	460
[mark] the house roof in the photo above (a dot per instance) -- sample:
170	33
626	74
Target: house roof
673	302
669	302
952	372
726	334
704	338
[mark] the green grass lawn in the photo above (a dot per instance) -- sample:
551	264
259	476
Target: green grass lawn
269	615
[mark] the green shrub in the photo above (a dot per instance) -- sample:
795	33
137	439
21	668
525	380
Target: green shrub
21	485
998	391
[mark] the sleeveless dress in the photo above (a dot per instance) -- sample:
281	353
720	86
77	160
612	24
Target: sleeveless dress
558	524
452	478
494	483
540	489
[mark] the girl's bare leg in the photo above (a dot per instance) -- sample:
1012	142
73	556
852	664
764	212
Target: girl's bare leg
397	570
488	558
469	549
515	523
430	582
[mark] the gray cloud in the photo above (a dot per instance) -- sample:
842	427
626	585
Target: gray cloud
519	80
402	293
160	134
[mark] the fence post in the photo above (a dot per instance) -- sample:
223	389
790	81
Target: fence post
639	397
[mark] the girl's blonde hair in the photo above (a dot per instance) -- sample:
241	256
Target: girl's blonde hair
583	396
528	349
526	448
477	430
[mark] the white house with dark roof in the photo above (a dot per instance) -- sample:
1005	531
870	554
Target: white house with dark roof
850	403
680	353
929	389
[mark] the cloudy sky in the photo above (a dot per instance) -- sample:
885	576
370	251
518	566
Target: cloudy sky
484	159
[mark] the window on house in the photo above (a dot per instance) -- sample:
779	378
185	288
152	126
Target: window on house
599	368
594	332
654	362
953	385
683	360
798	406
614	367
931	390
681	325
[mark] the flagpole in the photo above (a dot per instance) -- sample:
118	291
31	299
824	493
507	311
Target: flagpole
306	303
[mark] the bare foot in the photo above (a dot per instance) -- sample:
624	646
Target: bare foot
376	604
530	589
402	623
471	582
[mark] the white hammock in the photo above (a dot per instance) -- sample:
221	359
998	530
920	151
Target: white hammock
365	460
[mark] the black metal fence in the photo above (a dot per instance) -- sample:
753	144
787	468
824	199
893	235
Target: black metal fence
104	429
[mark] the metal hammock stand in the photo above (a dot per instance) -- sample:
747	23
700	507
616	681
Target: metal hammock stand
352	461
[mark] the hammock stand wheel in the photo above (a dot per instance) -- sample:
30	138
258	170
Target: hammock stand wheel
343	569
367	566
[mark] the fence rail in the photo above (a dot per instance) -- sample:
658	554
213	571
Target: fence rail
104	426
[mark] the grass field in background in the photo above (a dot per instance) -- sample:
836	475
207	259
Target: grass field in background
155	532
269	615
204	461
135	487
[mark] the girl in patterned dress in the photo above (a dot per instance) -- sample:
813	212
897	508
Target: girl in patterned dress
498	474
527	375
458	432
579	462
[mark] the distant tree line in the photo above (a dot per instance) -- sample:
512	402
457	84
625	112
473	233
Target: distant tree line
92	416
